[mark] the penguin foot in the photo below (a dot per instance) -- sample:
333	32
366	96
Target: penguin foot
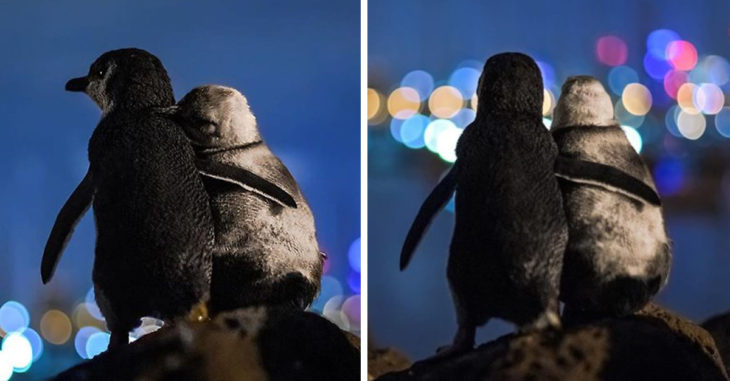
547	320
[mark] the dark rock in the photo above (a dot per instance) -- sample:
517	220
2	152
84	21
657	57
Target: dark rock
385	360
250	344
653	344
719	327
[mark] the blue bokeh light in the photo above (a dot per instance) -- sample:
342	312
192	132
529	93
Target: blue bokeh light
419	80
353	254
97	343
14	317
619	77
657	41
656	68
465	79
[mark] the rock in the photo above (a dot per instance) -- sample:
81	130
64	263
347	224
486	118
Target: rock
385	360
719	327
653	344
250	344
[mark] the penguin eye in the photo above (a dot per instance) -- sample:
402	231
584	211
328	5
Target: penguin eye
100	72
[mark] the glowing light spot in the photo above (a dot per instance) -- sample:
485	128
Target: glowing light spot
611	51
395	127
722	122
376	114
547	72
331	287
97	343
411	131
445	102
351	308
682	55
547	122
18	350
686	97
669	176
464	117
434	131
6	369
673	81
717	69
353	255
634	138
465	79
14	317
55	327
35	341
474	101
548	102
91	305
657	41
619	77
656	68
82	337
419	80
403	103
353	281
446	144
82	317
636	99
331	311
709	98
625	117
670	119
691	126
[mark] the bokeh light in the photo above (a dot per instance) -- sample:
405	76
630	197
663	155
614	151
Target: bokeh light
474	101
14	317
722	122
686	98
403	103
673	81
330	287
634	138
446	144
709	98
445	102
351	308
670	120
657	41
464	117
18	350
691	126
548	102
91	305
656	68
465	79
55	327
97	343
82	337
6	369
682	55
547	72
636	99
434	131
376	111
626	118
411	131
611	51
353	281
420	81
36	343
395	127
716	69
353	255
619	77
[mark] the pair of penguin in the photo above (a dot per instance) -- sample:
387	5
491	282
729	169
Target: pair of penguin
192	210
540	218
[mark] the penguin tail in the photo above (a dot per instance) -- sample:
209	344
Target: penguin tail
435	201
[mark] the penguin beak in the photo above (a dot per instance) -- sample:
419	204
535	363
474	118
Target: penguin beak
77	84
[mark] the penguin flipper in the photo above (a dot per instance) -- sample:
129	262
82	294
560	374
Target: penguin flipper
435	201
69	216
247	180
613	179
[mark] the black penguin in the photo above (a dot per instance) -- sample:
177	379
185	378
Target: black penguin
510	231
266	250
618	255
153	219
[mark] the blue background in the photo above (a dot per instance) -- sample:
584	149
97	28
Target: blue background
413	310
296	62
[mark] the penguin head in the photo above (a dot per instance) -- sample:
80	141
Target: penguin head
216	116
129	79
510	83
583	102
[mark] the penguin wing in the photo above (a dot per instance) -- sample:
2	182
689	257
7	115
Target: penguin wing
613	179
69	216
436	200
247	180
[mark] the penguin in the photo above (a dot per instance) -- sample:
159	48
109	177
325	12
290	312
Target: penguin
618	255
510	232
153	219
266	250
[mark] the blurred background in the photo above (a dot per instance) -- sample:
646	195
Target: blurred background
298	64
665	65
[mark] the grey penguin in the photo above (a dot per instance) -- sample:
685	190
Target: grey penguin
510	230
618	255
266	250
153	219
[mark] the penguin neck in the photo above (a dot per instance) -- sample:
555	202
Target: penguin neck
141	96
